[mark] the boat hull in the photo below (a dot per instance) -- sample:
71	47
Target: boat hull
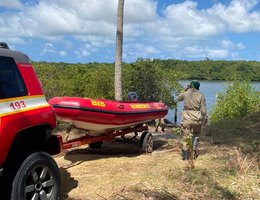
100	115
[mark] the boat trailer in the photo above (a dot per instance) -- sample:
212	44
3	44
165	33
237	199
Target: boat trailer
95	142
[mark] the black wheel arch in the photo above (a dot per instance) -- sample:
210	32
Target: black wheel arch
34	139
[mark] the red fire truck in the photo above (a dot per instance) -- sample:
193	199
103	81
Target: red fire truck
27	171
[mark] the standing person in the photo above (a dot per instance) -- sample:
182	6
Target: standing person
159	123
194	115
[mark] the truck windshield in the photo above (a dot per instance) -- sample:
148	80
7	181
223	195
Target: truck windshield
11	82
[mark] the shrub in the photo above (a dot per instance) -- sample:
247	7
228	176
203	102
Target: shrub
238	100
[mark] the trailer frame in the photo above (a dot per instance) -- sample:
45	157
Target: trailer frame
146	139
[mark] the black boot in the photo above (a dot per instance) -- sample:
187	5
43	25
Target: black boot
185	154
195	147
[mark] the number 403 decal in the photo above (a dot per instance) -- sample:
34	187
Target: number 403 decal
18	105
98	103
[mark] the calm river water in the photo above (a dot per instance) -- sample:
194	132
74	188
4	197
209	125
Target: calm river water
210	90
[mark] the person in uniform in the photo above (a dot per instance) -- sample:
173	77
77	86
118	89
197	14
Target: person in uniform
159	123
193	117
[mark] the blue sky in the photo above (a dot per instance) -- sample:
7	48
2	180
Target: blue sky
82	31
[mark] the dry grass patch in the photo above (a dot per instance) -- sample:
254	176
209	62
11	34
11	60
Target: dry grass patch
118	171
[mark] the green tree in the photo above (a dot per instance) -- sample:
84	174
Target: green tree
101	82
238	100
151	81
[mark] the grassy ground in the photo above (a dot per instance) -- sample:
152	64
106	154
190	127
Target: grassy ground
227	168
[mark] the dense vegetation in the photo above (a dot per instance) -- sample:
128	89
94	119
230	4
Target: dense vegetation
215	70
153	80
238	100
150	80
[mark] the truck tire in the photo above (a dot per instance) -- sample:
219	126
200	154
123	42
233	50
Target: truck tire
37	178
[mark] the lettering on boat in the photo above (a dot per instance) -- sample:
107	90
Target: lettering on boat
98	103
139	106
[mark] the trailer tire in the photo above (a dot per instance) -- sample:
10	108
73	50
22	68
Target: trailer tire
146	142
95	145
38	177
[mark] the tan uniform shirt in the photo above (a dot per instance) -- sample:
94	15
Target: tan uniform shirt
194	105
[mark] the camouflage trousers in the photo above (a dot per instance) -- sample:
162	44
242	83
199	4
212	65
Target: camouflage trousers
190	136
159	123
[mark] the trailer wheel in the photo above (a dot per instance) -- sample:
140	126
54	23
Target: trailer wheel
37	178
146	142
95	145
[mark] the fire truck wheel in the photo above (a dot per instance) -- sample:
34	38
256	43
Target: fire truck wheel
146	142
95	145
37	178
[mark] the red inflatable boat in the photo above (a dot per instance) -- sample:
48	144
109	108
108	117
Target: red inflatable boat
99	115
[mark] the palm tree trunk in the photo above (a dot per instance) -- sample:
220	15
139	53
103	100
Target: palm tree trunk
119	45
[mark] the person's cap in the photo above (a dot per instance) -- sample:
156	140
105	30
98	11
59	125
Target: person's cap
195	84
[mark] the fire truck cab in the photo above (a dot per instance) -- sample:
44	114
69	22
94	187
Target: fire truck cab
27	170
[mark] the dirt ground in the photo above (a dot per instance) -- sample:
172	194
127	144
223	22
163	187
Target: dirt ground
110	172
118	171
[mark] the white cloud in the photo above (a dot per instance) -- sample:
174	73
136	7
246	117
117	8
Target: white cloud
185	18
206	52
82	53
62	53
88	10
14	40
48	48
235	56
227	44
238	15
139	12
183	27
240	45
51	18
230	45
85	50
136	50
16	4
217	53
93	41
